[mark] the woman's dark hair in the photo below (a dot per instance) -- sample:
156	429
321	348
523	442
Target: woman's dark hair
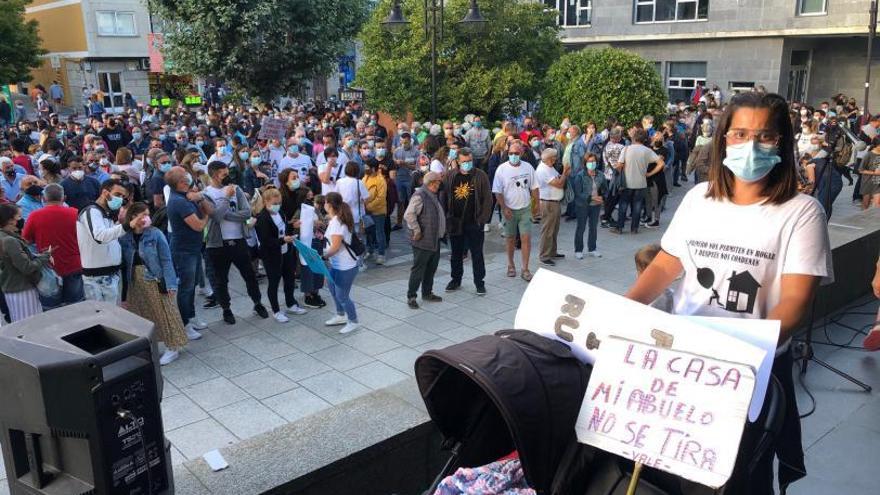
352	170
134	210
340	209
782	182
9	210
331	151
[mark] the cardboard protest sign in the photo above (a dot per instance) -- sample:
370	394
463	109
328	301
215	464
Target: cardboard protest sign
272	128
674	411
313	260
582	316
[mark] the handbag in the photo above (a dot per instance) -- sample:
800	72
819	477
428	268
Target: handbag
50	283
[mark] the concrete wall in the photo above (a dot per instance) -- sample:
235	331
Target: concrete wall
132	81
116	46
837	66
615	18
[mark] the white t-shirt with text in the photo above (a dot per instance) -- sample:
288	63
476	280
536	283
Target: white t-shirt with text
515	184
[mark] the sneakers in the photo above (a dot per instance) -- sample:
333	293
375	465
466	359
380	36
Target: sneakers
210	302
453	286
228	317
280	317
192	333
579	255
380	260
481	290
548	262
559	256
198	323
336	320
604	224
486	228
432	298
168	357
313	301
412	303
206	291
654	224
260	310
594	254
296	310
349	327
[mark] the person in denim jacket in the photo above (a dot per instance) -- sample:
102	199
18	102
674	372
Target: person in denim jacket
152	283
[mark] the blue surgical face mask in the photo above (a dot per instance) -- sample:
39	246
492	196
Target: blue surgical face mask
591	165
274	208
293	185
162	137
514	159
136	136
293	148
350	143
751	161
466	166
256	160
114	203
244	155
200	143
453	154
164	167
380	153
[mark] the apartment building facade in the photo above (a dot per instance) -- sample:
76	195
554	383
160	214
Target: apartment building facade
806	50
101	44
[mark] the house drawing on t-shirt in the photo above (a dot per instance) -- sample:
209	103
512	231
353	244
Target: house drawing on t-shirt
741	292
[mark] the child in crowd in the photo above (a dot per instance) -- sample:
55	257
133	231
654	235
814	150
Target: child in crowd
643	258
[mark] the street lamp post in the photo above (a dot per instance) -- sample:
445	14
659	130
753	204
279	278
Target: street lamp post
395	22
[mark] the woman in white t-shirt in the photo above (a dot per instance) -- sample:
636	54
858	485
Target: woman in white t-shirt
343	263
749	246
353	191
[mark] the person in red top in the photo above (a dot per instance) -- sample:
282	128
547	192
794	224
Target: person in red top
55	225
529	130
20	156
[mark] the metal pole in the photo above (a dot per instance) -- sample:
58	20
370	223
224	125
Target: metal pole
434	61
872	32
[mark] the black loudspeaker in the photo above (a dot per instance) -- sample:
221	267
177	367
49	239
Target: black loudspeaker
79	404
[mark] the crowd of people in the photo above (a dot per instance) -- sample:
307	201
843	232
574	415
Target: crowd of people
149	206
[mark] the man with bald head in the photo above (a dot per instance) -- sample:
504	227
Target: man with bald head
188	214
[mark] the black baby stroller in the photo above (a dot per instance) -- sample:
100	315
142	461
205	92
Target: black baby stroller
517	390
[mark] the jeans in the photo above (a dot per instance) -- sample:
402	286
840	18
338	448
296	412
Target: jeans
636	197
186	264
340	289
234	252
827	197
586	215
376	235
404	192
101	288
71	292
422	273
471	239
281	266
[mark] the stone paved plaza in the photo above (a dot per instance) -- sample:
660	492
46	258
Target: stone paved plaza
245	380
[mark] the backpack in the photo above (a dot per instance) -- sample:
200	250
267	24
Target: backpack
160	219
841	159
356	247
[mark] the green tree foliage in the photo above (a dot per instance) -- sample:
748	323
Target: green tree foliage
20	48
594	84
265	48
480	73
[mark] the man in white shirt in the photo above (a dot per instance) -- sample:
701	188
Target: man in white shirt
295	160
516	192
551	190
330	173
220	153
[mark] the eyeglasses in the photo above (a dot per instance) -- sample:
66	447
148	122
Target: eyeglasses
738	136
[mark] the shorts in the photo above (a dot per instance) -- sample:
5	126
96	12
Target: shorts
521	218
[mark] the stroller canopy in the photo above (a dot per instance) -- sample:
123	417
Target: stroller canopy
512	390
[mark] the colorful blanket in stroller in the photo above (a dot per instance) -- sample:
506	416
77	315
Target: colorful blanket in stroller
503	477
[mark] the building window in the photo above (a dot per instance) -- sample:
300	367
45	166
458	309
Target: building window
683	78
572	12
113	23
648	11
811	7
741	86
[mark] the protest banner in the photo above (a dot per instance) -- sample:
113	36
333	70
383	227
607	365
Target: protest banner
675	411
313	260
272	128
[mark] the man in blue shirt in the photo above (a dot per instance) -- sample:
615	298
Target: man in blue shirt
156	186
11	181
79	190
188	214
31	197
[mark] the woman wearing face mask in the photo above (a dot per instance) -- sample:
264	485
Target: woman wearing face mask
253	177
20	270
589	188
343	262
748	235
805	137
277	252
152	283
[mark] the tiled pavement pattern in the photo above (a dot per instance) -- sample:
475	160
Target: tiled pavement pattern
243	380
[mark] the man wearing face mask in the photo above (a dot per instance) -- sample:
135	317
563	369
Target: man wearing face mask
11	181
138	144
427	225
79	189
225	239
516	191
115	135
295	160
467	197
32	196
97	235
156	186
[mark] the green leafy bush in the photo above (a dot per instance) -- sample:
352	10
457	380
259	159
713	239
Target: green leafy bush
594	84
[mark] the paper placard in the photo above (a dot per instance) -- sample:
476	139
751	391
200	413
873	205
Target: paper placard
272	128
582	315
674	411
306	226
